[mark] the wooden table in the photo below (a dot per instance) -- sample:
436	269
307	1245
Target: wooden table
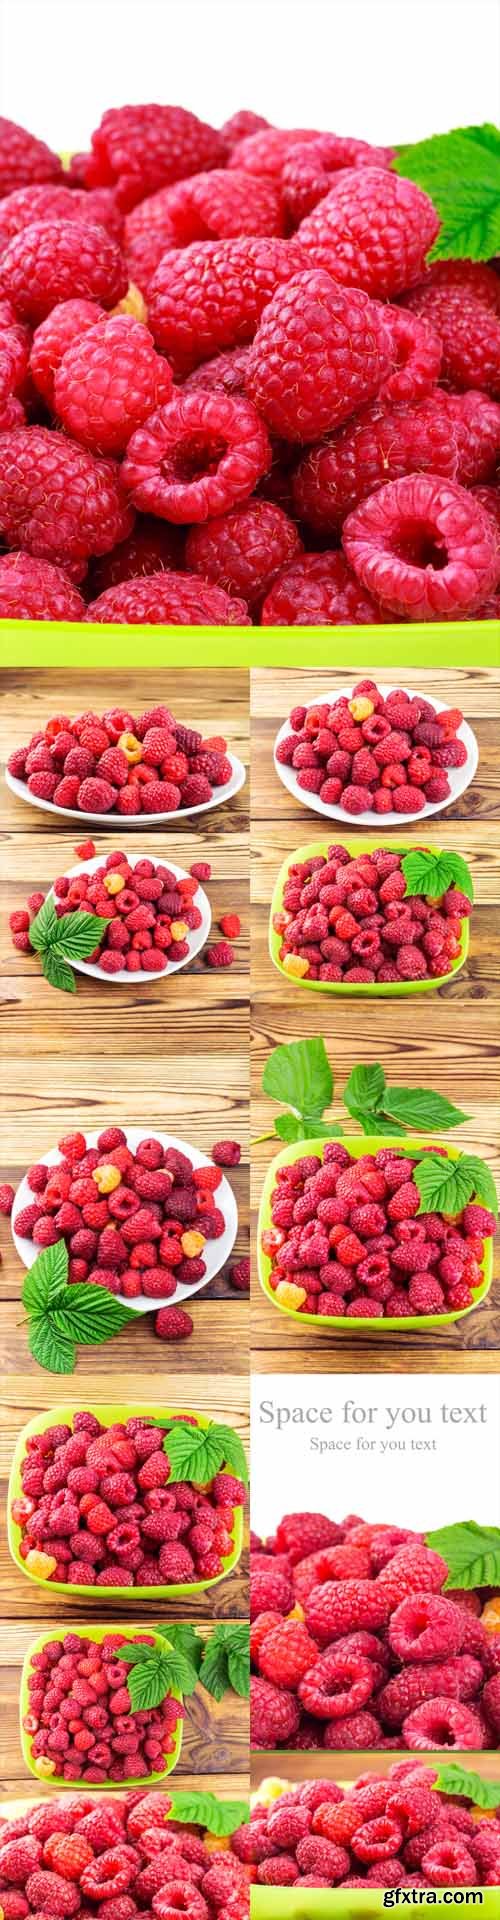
215	1734
345	1767
170	1054
449	1040
227	1786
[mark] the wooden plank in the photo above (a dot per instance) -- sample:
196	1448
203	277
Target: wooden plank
228	1786
215	1734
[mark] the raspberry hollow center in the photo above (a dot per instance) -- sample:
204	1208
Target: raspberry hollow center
419	544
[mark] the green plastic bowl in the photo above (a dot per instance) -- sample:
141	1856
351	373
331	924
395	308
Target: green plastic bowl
340	1903
108	1414
371	990
357	1145
56	1780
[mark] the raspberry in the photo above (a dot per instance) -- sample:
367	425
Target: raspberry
172	1323
319	589
426	1627
448	1863
55	335
219	956
152	547
210	206
53	1894
226	1153
443	1723
95	796
109	381
38	469
274	1714
469	332
209	296
58	260
286	1654
175	599
218	432
7	1197
138	149
244	549
478	1220
424	547
311	169
24	160
69	1854
230	926
373	231
239	1276
320	352
318	1856
438	435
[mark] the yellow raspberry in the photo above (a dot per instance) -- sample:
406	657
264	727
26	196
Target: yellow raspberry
131	747
113	882
491	1615
269	1790
297	1612
192	1243
132	303
45	1766
179	929
216	1843
361	707
295	965
106	1178
42	1564
289	1295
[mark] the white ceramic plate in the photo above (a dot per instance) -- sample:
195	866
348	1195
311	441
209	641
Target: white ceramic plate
196	937
137	820
459	777
215	1252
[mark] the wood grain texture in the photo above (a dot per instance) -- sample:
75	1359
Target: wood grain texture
215	1734
448	1040
228	1786
169	1054
223	1398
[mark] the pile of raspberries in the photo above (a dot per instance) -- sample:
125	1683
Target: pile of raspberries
355	1645
149	910
374	753
133	1221
83	1856
79	1720
348	1238
115	763
96	1509
225	352
387	1830
353	920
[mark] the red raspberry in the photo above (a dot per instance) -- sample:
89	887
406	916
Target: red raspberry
55	260
38	468
373	231
311	169
152	547
319	353
286	1654
34	590
225	1153
96	796
239	1276
275	1714
395	564
69	1854
469	331
220	432
172	1323
172	599
52	339
448	434
138	149
344	1606
48	1891
443	1723
478	1221
426	1627
226	373
245	549
219	956
109	381
209	296
219	205
323	1857
24	160
319	589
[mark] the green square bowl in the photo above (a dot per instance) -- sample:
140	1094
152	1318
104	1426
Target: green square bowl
324	1323
108	1414
342	1903
355	990
57	1780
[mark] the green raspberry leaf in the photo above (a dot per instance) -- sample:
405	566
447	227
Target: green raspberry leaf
226	1661
472	1554
47	1345
460	171
289	1128
484	1187
300	1075
203	1809
419	1108
56	970
46	1281
470	1786
90	1315
185	1640
430	874
78	934
238	1666
376	1123
149	1681
364	1090
446	1186
45	926
198	1453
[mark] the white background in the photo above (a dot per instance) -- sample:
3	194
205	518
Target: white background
380	69
459	1480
